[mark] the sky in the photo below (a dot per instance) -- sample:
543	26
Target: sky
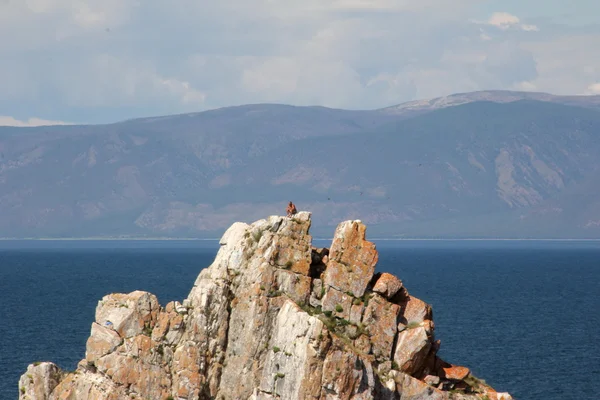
102	61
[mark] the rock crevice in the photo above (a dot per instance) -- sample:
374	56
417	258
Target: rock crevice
271	318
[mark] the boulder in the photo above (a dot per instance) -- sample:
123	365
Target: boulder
39	381
412	348
387	285
128	314
102	341
415	389
432	380
352	259
455	373
380	318
414	311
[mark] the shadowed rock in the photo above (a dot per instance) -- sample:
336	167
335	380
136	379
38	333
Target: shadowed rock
387	285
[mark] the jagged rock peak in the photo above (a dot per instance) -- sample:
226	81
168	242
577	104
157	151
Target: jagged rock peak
271	318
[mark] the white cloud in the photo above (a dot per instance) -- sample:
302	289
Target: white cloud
105	80
302	81
505	21
593	89
10	121
530	28
484	36
564	63
117	59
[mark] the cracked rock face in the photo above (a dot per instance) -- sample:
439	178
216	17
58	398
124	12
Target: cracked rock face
270	318
352	259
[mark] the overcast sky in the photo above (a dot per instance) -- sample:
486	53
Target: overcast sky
93	61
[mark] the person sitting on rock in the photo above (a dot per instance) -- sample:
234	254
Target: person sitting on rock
291	209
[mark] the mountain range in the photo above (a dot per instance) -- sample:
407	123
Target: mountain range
491	164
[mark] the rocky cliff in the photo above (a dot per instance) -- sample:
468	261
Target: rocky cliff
272	317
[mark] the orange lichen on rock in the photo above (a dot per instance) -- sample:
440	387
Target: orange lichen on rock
271	317
387	285
456	373
352	259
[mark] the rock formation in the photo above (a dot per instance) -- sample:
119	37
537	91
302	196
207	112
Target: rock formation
271	318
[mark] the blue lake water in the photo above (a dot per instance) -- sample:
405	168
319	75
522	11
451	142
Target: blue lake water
524	316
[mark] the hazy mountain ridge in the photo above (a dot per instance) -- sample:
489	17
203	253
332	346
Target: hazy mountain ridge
496	96
413	172
484	168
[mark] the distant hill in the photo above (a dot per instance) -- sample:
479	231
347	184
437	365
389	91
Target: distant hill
412	108
474	165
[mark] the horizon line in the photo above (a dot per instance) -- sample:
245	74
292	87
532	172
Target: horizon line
167	239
